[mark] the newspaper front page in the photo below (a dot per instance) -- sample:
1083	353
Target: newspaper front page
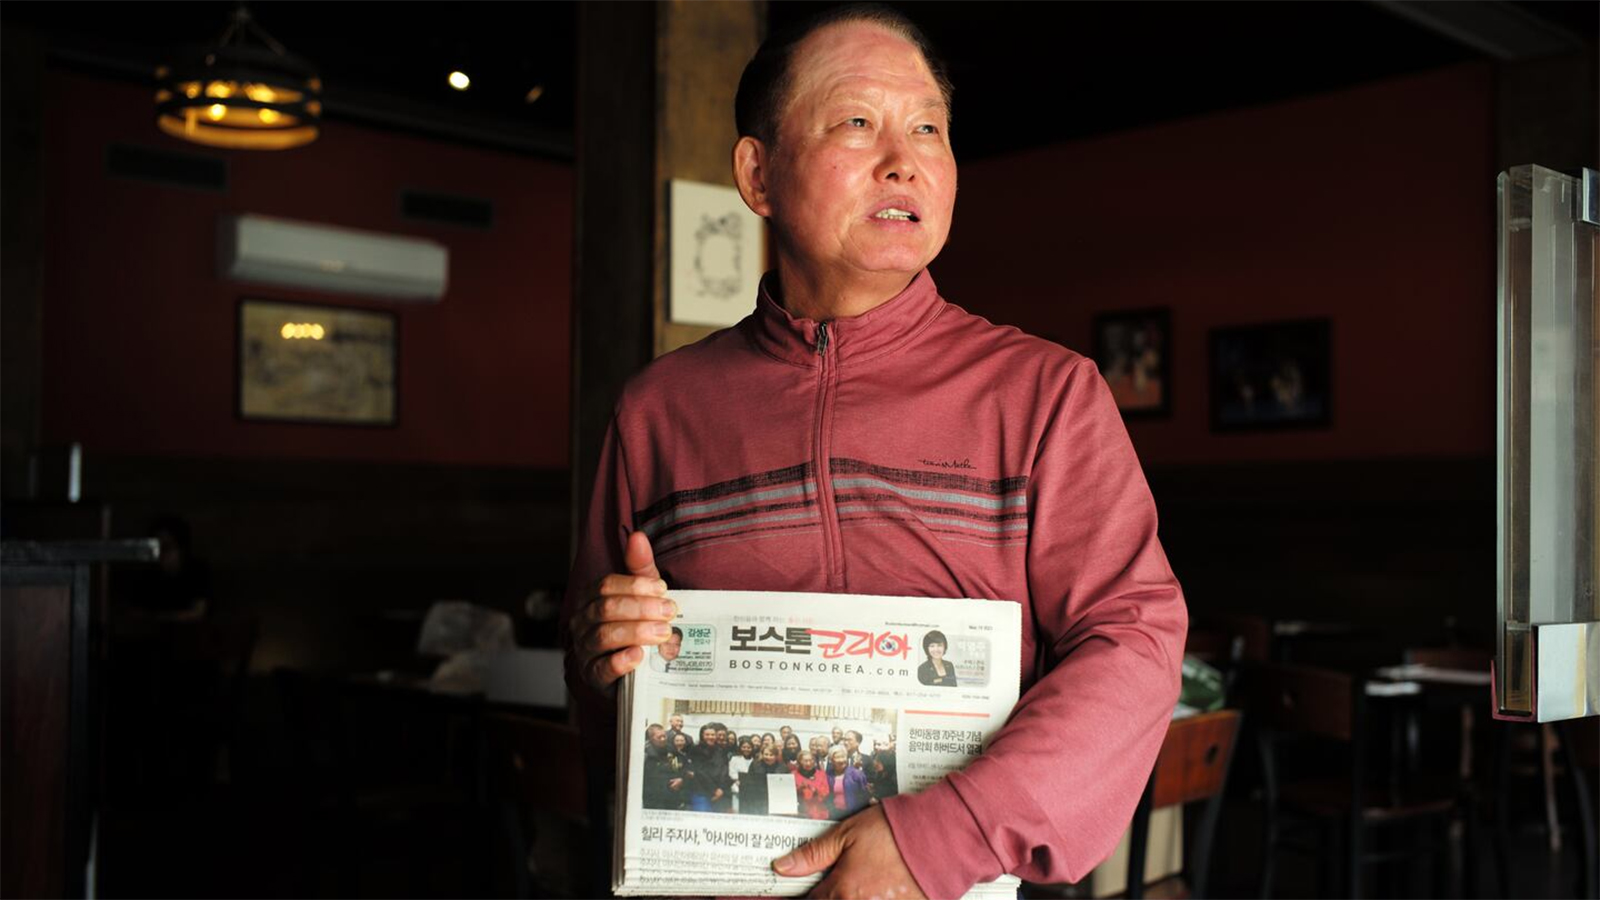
721	729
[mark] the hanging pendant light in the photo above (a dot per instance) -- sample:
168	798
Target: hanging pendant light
241	96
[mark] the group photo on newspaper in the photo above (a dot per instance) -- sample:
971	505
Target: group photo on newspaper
767	717
788	772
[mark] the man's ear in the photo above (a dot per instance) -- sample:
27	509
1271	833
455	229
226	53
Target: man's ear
749	174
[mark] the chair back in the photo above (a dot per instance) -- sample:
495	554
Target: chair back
536	764
1303	700
1194	759
1249	638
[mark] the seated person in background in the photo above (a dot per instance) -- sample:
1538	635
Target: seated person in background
176	589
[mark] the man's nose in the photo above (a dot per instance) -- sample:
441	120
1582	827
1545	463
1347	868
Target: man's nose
896	164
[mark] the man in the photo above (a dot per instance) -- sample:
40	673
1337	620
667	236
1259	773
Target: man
663	788
852	748
819	750
667	651
712	790
675	728
921	451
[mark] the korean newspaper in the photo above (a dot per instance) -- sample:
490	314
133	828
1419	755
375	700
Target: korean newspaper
768	717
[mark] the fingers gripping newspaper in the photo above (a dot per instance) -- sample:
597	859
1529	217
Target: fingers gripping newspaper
769	717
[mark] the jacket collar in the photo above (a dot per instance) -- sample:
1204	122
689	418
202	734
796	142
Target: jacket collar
857	338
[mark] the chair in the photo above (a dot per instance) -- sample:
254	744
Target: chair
1193	765
1293	703
387	780
535	772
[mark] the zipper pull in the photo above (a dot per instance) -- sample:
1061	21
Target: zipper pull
822	338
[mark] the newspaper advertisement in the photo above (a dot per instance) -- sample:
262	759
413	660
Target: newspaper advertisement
769	717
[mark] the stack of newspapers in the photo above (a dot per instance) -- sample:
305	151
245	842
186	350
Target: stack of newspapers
767	718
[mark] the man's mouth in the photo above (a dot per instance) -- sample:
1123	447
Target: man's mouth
896	214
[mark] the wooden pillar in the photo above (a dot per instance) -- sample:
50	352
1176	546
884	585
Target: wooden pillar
656	83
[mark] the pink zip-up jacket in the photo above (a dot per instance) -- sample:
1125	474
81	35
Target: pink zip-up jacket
920	450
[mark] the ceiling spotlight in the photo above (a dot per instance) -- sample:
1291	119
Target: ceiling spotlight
460	81
240	95
534	93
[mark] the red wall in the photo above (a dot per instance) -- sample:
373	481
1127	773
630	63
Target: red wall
1372	206
139	333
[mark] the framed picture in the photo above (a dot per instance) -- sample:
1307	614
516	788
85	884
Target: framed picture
318	364
1271	376
1134	352
716	246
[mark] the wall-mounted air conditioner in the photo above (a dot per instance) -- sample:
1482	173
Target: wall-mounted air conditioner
267	250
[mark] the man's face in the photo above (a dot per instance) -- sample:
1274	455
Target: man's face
838	735
669	650
851	745
676	722
708	736
722	737
864	131
658	737
785	731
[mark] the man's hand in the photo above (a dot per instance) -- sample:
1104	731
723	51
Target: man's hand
865	860
620	616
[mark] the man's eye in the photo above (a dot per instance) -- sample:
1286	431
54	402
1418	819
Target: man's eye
927	129
857	122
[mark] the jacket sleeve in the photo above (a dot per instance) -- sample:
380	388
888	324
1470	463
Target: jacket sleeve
1055	790
602	539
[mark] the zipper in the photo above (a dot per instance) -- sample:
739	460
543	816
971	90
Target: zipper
832	552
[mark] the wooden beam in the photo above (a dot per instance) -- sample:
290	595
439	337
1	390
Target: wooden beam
656	84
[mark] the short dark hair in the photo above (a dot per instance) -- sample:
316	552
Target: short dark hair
934	637
677	632
764	86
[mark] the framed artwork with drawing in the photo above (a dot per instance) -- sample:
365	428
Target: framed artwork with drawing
1134	352
1272	376
330	365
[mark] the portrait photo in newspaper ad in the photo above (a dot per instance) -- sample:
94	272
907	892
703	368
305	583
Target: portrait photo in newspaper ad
769	759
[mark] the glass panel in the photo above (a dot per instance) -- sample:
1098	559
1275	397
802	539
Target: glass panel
1545	429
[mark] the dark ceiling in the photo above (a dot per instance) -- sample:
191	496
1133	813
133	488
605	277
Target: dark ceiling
1026	74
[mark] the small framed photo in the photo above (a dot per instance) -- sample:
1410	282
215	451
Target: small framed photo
1271	376
329	365
716	245
1134	352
